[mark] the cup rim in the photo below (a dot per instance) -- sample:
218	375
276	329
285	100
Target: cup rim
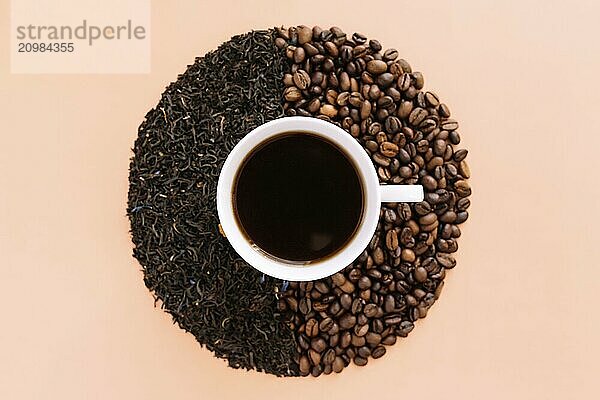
314	269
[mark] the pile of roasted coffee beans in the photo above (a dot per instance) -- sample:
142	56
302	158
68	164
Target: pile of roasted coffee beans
408	133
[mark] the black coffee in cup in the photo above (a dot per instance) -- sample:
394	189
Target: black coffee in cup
298	197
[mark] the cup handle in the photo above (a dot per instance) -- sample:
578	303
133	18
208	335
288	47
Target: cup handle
401	193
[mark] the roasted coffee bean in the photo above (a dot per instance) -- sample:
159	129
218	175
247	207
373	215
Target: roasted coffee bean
310	49
404	82
390	55
346	300
408	255
329	357
314	357
463	204
377	326
439	147
417	116
422	208
419	80
338	365
391	240
376	67
404	212
448	217
305	34
428	219
288	80
389	149
462	188
303	342
322	287
461	217
375	45
331	49
374	273
449	125
319	306
445	260
304	365
337	32
365	109
378	352
370	310
389	340
405	328
316	371
361	330
354	274
356	306
451	170
444	111
360	361
328	110
364	282
364	352
393	319
389	216
313	106
312	327
392	125
404	157
454	137
345	339
386	102
347	321
331	96
292	94
390	303
280	42
432	99
464	170
359	38
373	338
299	55
326	324
338	279
301	79
460	155
420	274
384	80
358	52
334	307
378	256
347	287
429	182
318	344
357	341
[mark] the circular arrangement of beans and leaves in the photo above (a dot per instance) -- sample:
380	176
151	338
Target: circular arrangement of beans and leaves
255	321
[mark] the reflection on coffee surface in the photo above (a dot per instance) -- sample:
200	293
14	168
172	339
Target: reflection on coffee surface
298	197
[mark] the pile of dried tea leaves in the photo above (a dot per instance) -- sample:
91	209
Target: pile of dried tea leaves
189	266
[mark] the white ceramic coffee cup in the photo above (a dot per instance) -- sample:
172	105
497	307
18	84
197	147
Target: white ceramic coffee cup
374	194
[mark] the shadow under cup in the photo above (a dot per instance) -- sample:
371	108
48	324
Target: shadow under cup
298	197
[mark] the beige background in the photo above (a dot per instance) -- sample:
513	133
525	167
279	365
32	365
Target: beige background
518	317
